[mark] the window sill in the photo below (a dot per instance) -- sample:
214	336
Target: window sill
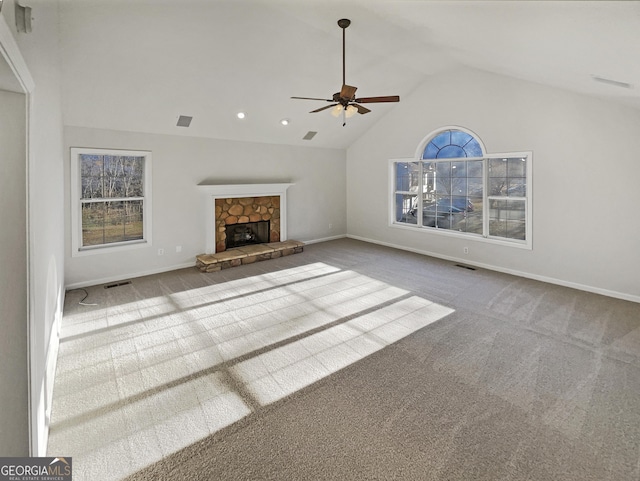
463	235
110	248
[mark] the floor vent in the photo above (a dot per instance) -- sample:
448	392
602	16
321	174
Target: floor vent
116	284
466	267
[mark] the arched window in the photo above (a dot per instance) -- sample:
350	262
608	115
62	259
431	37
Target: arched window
455	186
452	144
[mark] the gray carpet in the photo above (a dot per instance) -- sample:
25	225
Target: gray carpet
524	381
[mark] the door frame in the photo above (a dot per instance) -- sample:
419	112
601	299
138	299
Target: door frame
11	53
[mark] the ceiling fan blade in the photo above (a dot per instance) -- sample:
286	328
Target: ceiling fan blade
322	108
370	100
348	92
361	109
312	98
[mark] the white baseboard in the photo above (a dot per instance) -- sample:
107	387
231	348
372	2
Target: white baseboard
106	280
325	239
50	374
41	410
527	275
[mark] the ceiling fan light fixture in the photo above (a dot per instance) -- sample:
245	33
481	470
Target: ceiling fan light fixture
351	110
337	110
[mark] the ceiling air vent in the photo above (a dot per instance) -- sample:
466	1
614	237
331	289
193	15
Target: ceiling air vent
309	135
184	121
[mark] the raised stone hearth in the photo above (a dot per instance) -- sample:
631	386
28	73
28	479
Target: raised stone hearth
247	255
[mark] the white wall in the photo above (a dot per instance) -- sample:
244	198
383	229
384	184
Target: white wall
585	177
14	423
39	49
181	163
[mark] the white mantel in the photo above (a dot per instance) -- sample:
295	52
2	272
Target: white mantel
226	191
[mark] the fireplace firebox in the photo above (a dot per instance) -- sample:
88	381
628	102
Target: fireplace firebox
247	234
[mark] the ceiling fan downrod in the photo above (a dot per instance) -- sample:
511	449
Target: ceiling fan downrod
343	23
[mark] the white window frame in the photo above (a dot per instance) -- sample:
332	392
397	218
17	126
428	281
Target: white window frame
77	250
484	237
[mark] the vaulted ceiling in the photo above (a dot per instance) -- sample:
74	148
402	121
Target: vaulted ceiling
138	64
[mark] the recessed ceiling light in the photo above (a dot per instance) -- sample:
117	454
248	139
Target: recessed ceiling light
284	121
241	115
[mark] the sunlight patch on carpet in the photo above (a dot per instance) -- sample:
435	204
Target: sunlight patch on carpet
140	380
297	365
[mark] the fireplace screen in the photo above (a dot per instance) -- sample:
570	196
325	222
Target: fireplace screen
246	234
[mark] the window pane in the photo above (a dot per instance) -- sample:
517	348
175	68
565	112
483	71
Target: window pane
473	149
431	151
133	219
459	186
498	168
406	206
474	186
498	186
442	140
474	168
460	138
123	176
93	224
428	182
470	222
133	175
109	222
458	169
474	221
451	152
91	170
516	188
407	176
516	167
443	186
443	169
507	219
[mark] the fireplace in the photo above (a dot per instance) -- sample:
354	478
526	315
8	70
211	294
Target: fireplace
231	204
239	235
232	215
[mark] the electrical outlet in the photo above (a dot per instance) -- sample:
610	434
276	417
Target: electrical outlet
160	252
465	250
330	226
178	248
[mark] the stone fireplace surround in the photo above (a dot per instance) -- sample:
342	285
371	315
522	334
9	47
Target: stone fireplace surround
242	203
242	210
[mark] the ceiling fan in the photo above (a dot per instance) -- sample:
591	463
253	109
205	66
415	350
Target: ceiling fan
345	101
